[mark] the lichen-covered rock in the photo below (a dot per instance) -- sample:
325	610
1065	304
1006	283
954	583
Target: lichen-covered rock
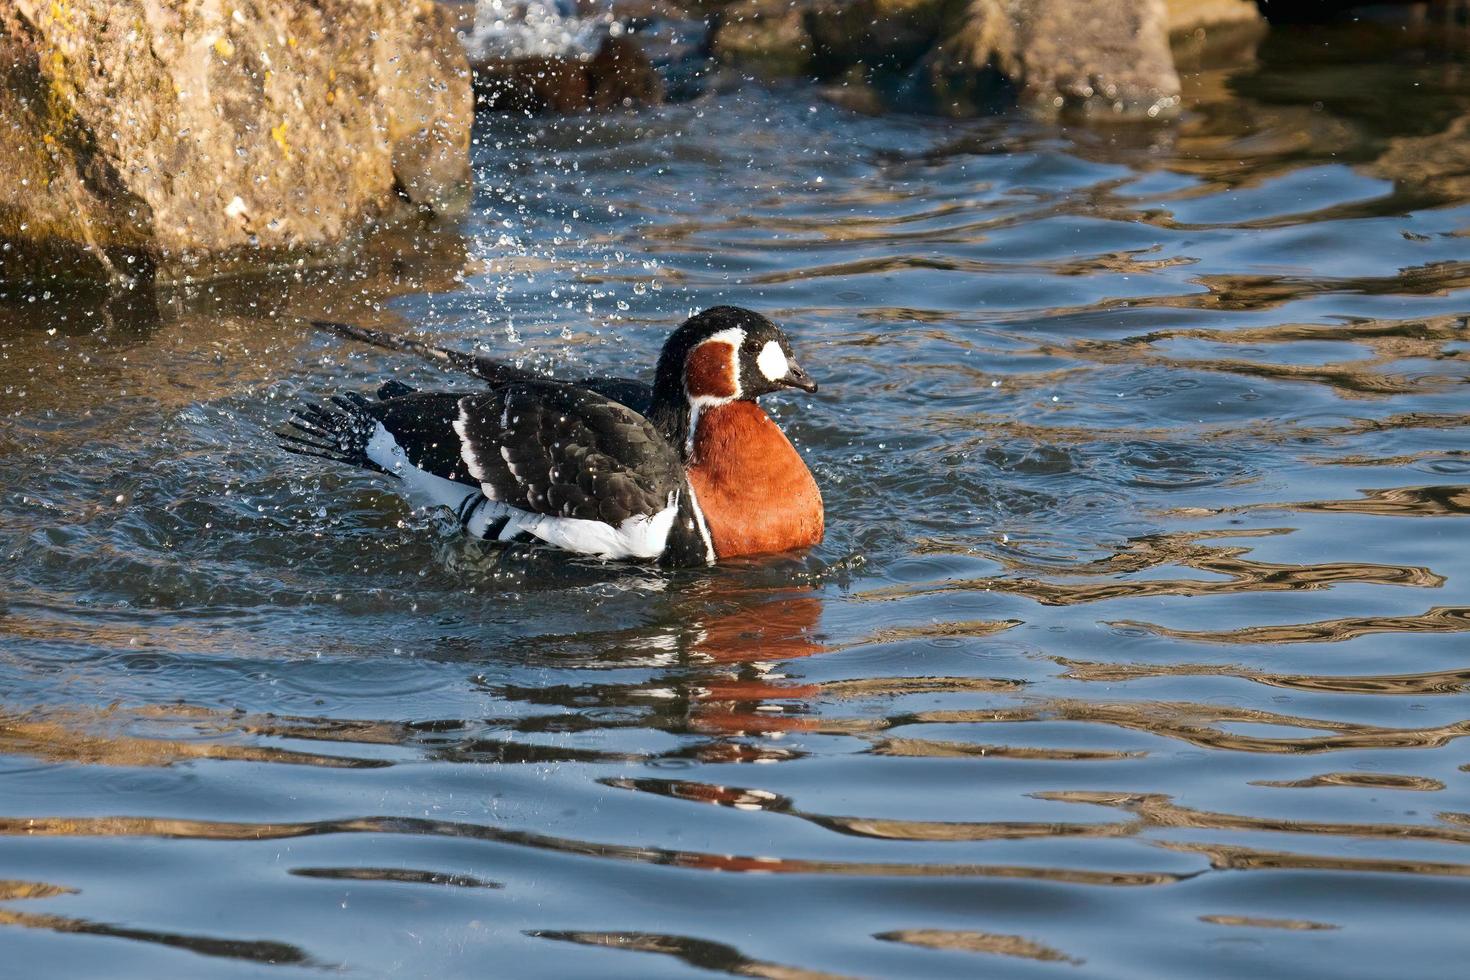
155	140
1078	55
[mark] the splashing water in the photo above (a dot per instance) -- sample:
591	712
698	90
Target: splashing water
531	28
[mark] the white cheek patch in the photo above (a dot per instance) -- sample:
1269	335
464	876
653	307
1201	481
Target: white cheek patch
772	361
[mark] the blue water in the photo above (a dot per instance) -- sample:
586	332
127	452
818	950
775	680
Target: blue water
1136	647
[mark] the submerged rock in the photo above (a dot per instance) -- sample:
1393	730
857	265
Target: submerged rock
1067	54
147	140
1077	55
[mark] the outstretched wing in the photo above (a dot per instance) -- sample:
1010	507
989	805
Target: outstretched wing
635	394
566	452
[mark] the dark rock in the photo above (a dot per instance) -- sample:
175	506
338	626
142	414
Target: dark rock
617	75
620	74
873	33
855	92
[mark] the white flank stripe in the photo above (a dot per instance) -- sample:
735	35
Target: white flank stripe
703	525
642	536
488	512
384	450
422	489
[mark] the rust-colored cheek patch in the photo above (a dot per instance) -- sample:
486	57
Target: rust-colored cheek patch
709	371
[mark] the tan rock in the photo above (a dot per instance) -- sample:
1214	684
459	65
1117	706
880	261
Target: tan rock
1191	15
1212	33
765	37
1080	55
153	140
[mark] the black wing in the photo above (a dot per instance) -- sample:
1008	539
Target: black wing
422	423
635	394
563	451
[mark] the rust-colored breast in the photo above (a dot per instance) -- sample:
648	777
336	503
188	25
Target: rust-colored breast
757	495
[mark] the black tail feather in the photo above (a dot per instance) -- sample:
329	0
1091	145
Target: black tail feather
339	434
394	389
484	368
309	443
388	341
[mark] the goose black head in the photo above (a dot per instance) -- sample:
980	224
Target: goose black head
727	354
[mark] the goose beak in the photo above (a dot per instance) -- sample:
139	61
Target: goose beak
797	378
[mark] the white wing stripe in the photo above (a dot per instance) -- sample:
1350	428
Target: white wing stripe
466	451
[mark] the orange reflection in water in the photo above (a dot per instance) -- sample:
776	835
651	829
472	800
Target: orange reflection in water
737	687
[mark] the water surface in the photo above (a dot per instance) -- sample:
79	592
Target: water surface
1136	646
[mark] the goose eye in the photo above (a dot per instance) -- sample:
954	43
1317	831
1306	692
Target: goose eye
751	346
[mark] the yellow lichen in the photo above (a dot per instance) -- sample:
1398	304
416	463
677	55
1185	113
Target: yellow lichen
61	15
278	133
224	48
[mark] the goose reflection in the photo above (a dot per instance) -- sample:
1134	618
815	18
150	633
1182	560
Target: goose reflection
736	681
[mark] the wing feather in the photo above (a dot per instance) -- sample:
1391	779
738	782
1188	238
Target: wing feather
563	451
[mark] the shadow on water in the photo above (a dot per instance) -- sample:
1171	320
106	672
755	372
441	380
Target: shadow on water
1129	438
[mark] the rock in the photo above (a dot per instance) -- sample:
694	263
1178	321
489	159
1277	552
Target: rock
854	91
1437	165
152	140
1213	33
873	33
1188	16
556	84
767	38
619	74
1077	55
1110	59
